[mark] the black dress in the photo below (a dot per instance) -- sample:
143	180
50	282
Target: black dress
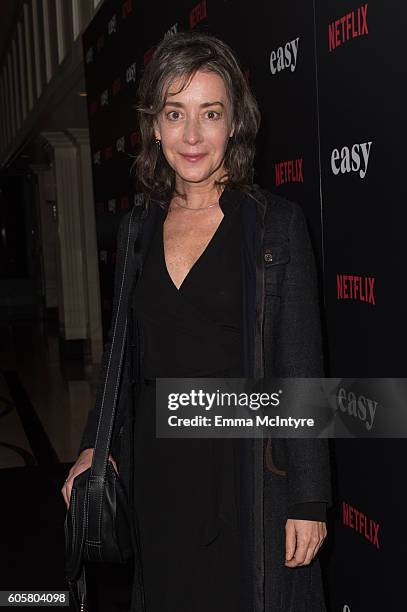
193	331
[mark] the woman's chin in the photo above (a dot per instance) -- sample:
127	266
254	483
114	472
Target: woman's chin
196	175
193	177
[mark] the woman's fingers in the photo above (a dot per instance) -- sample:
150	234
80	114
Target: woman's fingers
82	464
67	488
303	540
66	492
114	464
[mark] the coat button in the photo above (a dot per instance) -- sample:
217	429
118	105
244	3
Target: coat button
268	255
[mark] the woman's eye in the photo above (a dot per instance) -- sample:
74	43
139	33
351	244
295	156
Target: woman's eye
213	114
171	114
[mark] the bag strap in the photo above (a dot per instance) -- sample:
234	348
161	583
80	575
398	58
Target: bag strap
115	361
112	379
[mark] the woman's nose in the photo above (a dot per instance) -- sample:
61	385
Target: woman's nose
192	132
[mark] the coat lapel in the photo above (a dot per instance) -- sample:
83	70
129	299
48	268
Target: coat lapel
249	455
249	452
248	227
252	211
151	216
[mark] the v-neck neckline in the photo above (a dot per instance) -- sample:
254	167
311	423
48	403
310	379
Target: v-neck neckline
196	262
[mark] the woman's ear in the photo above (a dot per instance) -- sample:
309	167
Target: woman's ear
157	132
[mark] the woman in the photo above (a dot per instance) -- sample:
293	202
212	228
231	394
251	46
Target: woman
227	288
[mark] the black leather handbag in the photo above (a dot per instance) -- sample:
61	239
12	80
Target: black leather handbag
98	523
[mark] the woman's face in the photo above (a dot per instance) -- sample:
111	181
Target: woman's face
194	128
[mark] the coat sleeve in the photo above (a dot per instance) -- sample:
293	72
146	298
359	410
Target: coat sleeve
308	467
309	511
89	433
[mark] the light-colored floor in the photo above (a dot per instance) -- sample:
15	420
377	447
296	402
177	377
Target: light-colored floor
61	392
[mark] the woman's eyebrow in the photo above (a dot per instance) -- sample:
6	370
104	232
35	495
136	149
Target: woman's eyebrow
203	105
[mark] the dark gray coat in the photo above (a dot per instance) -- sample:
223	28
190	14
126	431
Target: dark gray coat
282	338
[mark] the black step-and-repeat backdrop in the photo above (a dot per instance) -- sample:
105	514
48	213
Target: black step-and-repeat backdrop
330	79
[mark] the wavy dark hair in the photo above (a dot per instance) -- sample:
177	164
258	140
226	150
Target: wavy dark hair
180	56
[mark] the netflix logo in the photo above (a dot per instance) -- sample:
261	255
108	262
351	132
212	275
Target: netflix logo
289	172
346	28
361	288
360	523
127	9
197	14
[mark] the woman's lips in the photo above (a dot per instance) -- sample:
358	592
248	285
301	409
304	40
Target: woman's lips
193	158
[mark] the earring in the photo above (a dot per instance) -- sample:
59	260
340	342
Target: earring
158	143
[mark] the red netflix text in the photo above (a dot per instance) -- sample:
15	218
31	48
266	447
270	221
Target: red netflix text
348	27
366	527
361	288
289	172
198	13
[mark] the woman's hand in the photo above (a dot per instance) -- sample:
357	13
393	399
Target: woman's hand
302	541
83	462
